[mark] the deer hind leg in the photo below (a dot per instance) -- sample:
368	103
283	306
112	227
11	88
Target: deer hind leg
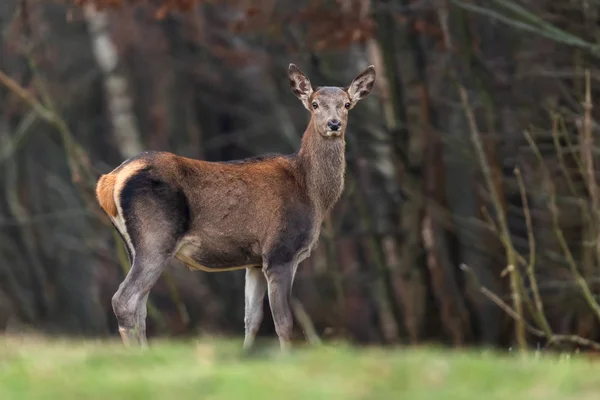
256	287
153	216
129	302
279	281
141	313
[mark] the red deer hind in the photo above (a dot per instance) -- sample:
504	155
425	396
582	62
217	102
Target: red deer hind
260	214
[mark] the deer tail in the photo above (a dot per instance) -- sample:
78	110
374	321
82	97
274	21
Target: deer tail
105	194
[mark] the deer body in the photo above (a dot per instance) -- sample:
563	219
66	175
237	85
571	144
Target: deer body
262	214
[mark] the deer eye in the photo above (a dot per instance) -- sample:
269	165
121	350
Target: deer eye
347	105
315	105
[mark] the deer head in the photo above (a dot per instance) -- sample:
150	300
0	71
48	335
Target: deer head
329	106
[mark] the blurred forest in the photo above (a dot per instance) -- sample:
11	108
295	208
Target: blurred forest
470	213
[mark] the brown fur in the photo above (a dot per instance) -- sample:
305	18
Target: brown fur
221	216
243	203
105	194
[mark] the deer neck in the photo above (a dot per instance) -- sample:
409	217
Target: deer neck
323	165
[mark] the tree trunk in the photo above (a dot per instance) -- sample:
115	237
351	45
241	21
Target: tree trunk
119	101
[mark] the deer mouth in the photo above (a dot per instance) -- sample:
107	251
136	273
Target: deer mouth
332	134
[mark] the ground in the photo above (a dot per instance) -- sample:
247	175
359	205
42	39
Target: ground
210	369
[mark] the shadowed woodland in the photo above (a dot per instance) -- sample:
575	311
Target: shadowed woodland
470	212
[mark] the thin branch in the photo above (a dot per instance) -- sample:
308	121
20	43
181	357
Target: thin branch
24	95
8	149
588	145
587	293
543	29
537	332
559	154
541	317
485	167
305	322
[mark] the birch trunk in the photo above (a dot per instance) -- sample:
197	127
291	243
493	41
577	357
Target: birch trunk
120	104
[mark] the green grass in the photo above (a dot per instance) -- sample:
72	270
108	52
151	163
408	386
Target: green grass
44	369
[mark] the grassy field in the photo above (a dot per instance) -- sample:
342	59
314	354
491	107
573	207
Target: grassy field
40	369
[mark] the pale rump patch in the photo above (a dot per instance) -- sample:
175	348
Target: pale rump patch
124	174
121	178
120	225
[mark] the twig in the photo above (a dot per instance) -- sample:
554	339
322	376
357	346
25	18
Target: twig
539	306
531	329
572	147
530	23
561	160
26	97
588	145
8	149
305	322
587	293
390	319
27	233
50	116
333	264
176	297
485	167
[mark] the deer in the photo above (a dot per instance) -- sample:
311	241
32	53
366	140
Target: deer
262	214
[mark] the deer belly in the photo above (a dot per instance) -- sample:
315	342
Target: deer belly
216	260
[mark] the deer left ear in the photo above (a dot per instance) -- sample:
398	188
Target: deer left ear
361	85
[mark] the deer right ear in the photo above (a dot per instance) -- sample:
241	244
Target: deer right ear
300	85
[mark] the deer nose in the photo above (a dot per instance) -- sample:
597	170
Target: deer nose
334	124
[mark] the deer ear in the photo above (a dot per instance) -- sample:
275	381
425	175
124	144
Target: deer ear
300	85
361	85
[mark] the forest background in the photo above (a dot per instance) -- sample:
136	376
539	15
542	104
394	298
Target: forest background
470	213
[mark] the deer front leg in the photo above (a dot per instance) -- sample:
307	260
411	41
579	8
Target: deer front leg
279	281
256	287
